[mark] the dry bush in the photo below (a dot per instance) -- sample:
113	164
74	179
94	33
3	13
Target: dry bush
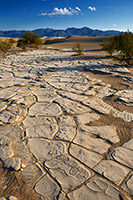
30	40
5	45
123	44
77	48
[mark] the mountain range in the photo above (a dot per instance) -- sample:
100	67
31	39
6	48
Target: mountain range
49	32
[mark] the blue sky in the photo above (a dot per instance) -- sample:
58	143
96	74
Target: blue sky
61	14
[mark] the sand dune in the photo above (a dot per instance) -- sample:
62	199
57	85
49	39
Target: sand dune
88	43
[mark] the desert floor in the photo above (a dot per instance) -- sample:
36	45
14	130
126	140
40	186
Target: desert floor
88	43
66	125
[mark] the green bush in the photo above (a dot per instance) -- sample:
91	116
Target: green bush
77	48
123	44
29	40
22	44
109	46
5	46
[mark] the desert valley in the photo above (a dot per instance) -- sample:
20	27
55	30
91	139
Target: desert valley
66	123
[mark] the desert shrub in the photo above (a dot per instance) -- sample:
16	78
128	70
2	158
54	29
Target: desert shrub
109	45
11	40
22	44
123	44
77	48
29	40
5	45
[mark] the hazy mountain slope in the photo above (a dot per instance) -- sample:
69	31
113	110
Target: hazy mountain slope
85	31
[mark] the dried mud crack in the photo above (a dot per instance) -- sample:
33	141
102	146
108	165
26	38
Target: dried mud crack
66	127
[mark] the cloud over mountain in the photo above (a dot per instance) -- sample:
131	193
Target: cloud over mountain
62	11
92	8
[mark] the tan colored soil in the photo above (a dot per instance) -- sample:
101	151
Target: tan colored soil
14	184
88	43
124	129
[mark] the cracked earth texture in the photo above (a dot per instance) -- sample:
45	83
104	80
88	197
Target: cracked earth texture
48	104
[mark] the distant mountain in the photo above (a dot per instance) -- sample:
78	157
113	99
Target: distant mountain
49	32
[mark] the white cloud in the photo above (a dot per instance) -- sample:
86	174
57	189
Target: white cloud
114	25
77	8
92	8
62	11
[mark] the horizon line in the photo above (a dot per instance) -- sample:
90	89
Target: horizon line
63	29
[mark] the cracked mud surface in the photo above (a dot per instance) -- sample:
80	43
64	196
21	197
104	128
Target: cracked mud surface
66	127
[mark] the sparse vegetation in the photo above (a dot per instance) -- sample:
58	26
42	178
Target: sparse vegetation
6	45
123	44
109	46
11	40
22	44
78	48
30	40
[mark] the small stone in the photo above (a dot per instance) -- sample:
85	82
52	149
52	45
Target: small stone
22	151
23	165
5	187
5	152
15	163
2	198
12	198
5	141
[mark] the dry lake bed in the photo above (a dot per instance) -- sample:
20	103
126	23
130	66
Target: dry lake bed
66	127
